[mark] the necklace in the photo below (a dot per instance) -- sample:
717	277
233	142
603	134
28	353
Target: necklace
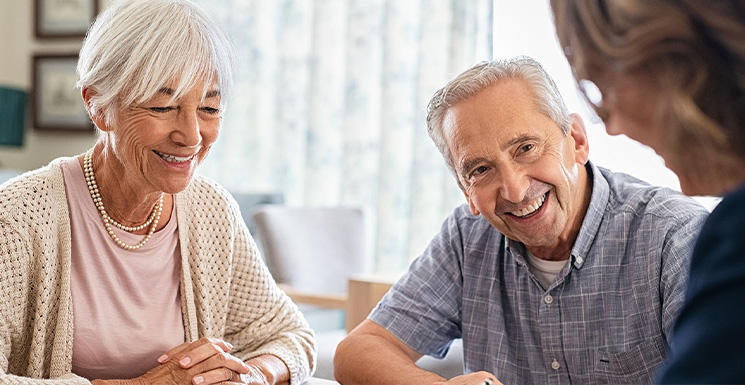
90	180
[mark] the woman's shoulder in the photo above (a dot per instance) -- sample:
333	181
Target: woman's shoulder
206	196
206	191
39	187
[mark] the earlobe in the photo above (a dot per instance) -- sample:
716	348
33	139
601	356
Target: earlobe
581	144
87	94
97	117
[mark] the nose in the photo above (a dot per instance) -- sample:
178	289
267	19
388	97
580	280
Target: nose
513	185
187	131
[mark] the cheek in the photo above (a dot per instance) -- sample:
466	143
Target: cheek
637	114
621	122
129	134
209	131
635	127
483	198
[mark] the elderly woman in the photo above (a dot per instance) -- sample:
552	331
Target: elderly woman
672	75
121	265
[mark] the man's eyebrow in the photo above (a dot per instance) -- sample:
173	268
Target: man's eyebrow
212	94
167	91
469	164
520	139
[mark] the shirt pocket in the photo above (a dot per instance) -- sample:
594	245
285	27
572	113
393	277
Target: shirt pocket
634	366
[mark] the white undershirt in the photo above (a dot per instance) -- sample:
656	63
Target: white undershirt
545	271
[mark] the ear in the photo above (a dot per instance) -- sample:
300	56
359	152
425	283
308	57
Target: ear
98	118
473	208
581	144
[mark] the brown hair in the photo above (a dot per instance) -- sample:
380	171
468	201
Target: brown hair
695	49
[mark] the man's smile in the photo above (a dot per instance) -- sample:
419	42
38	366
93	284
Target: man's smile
531	208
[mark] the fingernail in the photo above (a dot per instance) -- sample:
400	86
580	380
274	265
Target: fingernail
230	346
163	358
198	380
185	361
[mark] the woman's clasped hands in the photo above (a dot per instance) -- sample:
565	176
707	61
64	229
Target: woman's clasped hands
203	362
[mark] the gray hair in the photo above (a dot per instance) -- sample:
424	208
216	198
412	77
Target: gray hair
137	47
485	75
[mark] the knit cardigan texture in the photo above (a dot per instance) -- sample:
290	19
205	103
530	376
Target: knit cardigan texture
226	290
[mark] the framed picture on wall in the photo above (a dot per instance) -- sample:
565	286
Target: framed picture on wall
55	103
63	18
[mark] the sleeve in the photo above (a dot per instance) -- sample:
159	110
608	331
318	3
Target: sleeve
676	258
261	318
423	308
14	288
709	333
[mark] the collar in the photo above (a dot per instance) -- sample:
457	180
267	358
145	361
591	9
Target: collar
593	217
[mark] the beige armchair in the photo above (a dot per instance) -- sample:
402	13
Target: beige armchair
312	251
318	255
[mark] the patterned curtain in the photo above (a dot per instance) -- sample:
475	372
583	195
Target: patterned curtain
330	108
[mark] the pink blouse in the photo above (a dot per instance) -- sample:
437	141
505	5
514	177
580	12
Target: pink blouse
126	304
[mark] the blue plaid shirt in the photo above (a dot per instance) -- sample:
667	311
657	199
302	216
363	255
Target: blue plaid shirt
606	318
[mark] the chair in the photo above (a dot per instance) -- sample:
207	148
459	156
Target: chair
247	201
311	253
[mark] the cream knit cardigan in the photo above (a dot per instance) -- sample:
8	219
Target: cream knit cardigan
226	290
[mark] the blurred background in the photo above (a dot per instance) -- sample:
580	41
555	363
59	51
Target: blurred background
330	102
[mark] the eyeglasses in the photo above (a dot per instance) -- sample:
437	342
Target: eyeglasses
594	96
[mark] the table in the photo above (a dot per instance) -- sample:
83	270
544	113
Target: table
320	381
364	291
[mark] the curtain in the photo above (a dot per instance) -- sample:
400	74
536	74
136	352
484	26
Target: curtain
330	108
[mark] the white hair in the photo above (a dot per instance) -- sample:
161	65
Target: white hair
137	47
487	74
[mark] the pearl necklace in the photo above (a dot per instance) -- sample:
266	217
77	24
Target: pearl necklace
90	180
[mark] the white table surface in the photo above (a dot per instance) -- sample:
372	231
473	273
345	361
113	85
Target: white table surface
320	381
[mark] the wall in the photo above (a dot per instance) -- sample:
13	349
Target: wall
17	46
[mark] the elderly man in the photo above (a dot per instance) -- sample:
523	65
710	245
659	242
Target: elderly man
555	272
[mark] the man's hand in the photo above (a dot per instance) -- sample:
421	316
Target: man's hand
478	378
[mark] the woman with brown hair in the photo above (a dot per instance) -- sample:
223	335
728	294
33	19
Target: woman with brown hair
671	75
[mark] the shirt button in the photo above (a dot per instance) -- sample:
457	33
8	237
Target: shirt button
555	365
548	300
579	260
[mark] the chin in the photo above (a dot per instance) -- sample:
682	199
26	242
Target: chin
710	184
177	187
695	192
